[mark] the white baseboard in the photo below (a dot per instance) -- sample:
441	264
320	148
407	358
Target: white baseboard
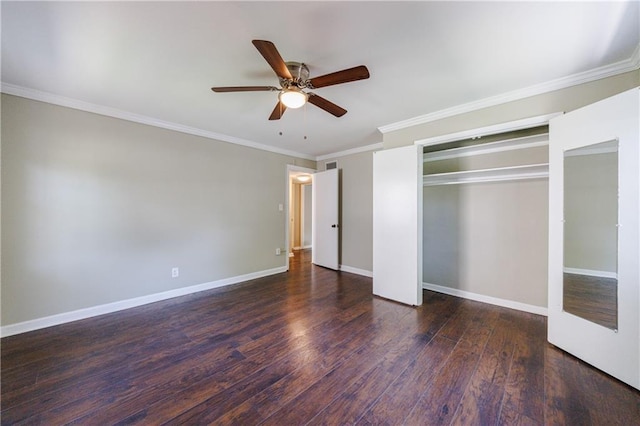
36	324
486	299
591	273
357	271
307	247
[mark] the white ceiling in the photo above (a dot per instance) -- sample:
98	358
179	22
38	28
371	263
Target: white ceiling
159	60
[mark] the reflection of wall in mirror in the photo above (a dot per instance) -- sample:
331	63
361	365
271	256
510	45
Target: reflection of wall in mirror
591	211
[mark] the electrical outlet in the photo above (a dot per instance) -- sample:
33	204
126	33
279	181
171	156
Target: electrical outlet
278	252
175	272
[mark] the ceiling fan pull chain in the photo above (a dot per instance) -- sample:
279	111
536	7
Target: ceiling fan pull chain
305	121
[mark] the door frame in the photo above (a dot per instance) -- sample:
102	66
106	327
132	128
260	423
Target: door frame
304	208
290	170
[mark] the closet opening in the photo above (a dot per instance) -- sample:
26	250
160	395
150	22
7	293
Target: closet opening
485	217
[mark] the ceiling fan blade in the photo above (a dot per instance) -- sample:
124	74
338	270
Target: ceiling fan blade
352	74
270	53
324	104
277	112
244	89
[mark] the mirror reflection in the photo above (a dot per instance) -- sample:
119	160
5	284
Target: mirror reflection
590	285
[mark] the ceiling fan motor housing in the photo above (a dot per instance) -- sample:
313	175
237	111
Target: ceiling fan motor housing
300	74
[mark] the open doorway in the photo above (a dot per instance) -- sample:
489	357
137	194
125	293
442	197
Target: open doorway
298	210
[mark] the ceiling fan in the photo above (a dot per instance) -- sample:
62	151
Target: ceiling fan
294	78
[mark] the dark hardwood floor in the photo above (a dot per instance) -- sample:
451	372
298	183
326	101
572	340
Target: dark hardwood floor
592	298
308	346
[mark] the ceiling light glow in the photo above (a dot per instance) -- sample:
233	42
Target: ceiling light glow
293	97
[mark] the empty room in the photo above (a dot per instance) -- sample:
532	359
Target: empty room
284	213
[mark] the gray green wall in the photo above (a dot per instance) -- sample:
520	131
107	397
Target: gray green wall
98	210
488	239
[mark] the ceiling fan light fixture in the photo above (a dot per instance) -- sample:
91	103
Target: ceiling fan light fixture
293	97
294	78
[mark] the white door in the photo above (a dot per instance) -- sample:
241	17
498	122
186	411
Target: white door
324	221
591	131
397	224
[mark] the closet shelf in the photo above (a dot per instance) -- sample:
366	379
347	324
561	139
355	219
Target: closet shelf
530	171
488	148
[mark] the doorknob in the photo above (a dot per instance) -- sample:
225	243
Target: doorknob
334	226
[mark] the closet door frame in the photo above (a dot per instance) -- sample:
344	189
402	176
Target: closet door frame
535	171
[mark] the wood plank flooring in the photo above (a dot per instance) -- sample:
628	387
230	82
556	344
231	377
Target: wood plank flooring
592	298
311	346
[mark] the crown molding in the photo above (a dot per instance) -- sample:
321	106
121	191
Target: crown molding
373	147
51	98
630	64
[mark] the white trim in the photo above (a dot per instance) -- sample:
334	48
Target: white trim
51	98
356	271
509	126
36	324
306	247
531	171
287	200
519	306
488	148
635	57
304	209
630	64
590	272
294	168
373	147
609	147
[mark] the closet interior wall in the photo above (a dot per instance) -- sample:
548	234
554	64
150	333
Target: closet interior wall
485	218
